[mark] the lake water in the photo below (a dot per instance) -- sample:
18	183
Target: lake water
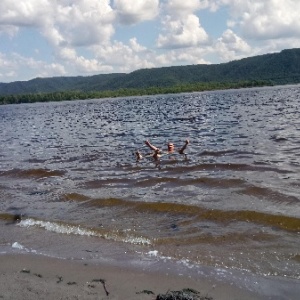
232	203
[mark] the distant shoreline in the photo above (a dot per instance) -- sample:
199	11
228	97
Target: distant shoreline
80	95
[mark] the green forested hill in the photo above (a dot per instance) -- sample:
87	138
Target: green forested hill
276	68
58	84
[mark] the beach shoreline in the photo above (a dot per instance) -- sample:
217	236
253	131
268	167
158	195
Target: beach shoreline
28	276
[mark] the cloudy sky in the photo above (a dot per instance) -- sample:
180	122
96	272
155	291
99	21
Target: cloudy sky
45	38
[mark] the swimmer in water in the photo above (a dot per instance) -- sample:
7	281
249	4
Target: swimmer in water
158	153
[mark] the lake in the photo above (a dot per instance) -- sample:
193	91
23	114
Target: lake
230	204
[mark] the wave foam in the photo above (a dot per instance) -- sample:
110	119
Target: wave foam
77	230
17	245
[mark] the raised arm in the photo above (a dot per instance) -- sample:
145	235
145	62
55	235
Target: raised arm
152	147
181	151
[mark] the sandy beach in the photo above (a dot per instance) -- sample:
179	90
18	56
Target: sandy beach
26	276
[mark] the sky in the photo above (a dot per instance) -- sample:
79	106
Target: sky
47	38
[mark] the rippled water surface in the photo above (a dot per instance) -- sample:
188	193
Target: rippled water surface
232	201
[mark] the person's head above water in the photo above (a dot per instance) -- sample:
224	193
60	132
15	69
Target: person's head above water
170	147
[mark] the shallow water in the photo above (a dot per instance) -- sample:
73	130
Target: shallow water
231	202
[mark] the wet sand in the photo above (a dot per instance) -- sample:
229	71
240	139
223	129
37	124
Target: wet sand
26	276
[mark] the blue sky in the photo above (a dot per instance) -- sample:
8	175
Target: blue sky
45	38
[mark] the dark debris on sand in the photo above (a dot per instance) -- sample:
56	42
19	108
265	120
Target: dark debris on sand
145	292
185	294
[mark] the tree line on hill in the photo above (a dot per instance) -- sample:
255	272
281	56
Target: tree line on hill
268	69
80	95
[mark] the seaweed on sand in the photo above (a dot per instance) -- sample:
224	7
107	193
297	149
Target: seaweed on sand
184	294
145	292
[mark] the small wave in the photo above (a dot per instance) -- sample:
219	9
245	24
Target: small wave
201	181
74	197
182	119
287	223
56	227
35	161
225	166
278	138
198	213
62	228
269	194
37	173
151	181
217	153
107	182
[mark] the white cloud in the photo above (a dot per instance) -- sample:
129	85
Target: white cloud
135	46
179	7
230	46
181	33
134	11
80	33
84	22
12	65
65	25
268	19
53	36
185	7
125	58
9	30
75	23
79	64
4	62
181	26
183	56
276	45
24	13
49	70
